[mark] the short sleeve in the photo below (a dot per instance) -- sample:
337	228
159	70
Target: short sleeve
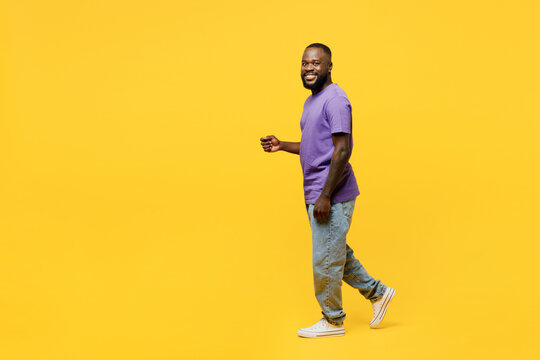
339	115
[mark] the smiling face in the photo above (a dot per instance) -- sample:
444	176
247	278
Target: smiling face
316	67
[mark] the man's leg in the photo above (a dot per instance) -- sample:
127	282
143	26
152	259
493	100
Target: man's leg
356	276
329	257
354	272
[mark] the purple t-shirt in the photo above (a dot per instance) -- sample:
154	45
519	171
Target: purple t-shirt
325	113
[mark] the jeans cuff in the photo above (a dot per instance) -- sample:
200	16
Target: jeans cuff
335	322
382	289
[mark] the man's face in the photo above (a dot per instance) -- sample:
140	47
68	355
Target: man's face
316	66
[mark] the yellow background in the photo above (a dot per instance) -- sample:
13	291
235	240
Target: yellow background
140	218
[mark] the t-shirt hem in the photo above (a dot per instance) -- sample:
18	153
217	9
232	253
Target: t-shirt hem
341	130
336	199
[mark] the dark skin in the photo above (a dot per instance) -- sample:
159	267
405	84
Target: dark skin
316	64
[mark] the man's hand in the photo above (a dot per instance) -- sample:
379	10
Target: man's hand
321	209
270	143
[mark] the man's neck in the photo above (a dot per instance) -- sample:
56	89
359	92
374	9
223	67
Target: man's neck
316	91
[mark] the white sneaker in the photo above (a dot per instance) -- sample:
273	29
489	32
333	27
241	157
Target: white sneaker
322	328
380	306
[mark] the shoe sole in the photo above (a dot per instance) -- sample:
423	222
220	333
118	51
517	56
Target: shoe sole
333	333
388	296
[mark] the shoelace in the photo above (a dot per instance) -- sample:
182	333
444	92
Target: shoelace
319	325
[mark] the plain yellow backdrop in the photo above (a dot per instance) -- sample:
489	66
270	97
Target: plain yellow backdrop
140	219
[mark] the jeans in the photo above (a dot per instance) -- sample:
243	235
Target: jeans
333	261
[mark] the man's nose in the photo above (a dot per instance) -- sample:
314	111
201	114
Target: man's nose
309	67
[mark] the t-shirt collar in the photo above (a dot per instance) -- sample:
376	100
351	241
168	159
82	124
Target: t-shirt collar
323	90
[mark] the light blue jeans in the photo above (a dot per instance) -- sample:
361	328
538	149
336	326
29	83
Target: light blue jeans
333	261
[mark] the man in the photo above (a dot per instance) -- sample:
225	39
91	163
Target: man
330	192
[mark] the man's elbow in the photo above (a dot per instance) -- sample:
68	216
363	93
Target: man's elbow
342	153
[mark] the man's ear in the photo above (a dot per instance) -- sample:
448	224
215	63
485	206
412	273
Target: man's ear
330	67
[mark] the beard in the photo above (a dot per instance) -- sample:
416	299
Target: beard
321	79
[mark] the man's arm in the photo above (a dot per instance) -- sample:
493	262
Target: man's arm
271	144
340	158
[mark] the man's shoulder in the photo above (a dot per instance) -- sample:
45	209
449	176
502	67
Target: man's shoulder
336	101
337	95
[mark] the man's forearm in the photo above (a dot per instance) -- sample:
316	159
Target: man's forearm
339	161
292	147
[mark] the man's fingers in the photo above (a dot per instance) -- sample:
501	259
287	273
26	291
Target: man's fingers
267	146
320	214
266	142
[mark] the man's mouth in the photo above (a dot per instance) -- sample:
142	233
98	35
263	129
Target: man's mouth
310	77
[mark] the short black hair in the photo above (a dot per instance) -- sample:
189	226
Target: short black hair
325	48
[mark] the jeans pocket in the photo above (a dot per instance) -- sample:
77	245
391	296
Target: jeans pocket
348	208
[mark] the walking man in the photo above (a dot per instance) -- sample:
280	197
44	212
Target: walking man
330	192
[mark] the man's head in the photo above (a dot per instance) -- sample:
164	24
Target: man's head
316	66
